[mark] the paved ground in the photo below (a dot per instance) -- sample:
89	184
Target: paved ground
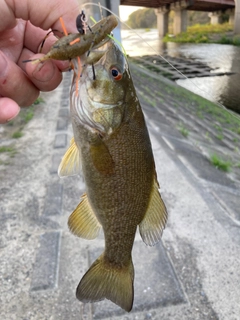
193	274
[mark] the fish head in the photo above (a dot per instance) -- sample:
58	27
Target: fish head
101	99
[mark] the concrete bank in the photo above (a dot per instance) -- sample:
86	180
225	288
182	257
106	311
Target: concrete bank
192	274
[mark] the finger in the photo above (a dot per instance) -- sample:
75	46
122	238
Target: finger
34	36
7	16
9	109
15	84
44	14
45	75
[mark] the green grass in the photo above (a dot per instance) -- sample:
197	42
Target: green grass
233	41
6	149
10	150
28	115
200	115
185	37
220	163
210	28
220	136
184	131
205	34
199	106
38	101
17	134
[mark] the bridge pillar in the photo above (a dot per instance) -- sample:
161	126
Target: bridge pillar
162	14
180	17
215	17
231	13
237	17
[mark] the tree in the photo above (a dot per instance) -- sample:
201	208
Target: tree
142	18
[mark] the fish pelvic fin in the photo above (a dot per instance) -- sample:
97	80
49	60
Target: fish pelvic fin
83	222
70	164
155	219
103	280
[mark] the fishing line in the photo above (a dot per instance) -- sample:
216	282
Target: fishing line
158	54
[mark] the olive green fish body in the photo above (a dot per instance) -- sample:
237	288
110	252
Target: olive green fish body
112	147
119	191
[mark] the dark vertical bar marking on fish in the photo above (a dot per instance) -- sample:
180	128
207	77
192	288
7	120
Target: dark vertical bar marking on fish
45	270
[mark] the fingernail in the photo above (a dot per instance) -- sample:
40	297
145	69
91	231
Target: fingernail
17	112
44	71
3	65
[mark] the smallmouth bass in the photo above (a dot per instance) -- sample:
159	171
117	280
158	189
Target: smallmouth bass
112	149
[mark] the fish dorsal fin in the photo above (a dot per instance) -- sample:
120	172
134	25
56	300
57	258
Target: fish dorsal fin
154	221
70	164
83	222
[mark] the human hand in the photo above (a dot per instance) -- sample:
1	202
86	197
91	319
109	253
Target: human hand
23	26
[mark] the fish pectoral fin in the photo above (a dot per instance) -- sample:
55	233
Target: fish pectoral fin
102	158
83	222
154	221
70	164
102	280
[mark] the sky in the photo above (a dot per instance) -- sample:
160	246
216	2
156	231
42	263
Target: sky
125	11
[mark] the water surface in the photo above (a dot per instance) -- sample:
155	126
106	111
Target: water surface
223	58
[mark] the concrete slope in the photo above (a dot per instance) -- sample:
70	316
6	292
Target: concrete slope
192	274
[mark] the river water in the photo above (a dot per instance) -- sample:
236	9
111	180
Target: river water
223	58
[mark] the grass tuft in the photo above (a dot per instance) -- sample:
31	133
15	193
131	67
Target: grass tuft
220	163
17	134
6	149
184	131
205	33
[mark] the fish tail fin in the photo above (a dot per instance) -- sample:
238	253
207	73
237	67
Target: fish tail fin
103	280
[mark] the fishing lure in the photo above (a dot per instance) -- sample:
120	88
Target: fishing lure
81	23
76	44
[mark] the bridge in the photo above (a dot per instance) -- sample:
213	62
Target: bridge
162	8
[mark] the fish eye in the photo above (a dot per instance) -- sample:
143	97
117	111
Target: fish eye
117	75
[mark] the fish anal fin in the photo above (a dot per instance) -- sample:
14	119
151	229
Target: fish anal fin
70	164
83	222
102	280
155	219
102	158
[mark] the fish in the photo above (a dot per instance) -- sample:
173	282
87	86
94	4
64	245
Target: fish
111	148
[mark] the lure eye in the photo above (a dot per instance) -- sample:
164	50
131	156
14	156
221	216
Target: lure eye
117	75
